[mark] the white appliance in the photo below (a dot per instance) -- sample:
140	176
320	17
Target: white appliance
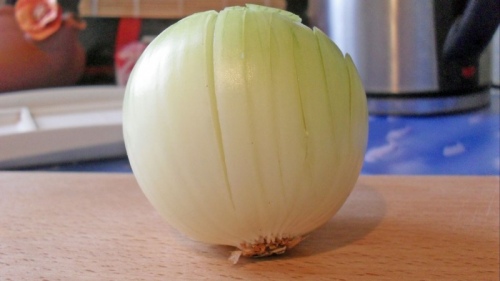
57	125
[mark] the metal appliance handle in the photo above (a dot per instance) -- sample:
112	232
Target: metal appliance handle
471	32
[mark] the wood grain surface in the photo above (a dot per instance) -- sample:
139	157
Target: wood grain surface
70	226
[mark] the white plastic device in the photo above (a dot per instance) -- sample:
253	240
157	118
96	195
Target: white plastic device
56	125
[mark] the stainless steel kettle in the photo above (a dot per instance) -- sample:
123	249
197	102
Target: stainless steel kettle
415	56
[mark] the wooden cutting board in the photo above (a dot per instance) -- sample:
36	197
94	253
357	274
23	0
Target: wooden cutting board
56	226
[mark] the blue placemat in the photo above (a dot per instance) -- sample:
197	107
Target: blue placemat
459	144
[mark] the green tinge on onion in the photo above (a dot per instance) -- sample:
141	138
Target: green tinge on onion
245	127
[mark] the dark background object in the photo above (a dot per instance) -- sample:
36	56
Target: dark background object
299	7
473	30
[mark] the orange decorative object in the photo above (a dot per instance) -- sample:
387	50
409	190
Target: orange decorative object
38	18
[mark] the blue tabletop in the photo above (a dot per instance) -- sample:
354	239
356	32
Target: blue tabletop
459	144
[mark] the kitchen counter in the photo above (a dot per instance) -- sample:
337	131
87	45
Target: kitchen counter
98	226
457	144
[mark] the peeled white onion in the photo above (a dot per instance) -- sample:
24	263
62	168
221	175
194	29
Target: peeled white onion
245	127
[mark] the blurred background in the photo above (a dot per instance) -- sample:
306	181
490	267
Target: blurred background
430	69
